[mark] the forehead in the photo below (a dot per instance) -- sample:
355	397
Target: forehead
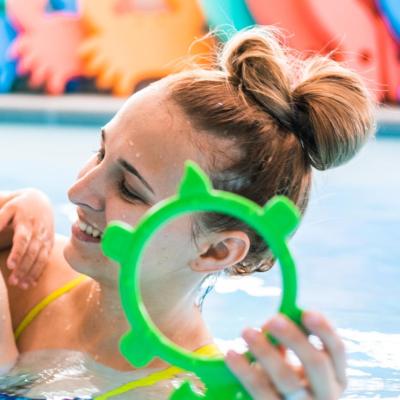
154	135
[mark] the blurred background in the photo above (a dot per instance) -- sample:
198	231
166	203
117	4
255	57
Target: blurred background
66	66
116	46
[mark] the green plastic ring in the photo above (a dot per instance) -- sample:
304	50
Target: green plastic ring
275	223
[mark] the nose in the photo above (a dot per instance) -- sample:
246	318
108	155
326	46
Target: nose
88	190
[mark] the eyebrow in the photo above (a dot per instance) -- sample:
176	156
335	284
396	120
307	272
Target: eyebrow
128	167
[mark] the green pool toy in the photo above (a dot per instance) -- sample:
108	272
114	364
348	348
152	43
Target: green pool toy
144	342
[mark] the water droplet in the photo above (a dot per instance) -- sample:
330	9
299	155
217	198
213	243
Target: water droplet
138	155
130	142
89	297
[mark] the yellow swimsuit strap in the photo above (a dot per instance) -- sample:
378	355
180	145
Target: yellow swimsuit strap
32	314
165	374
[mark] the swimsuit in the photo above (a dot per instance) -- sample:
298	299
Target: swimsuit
155	377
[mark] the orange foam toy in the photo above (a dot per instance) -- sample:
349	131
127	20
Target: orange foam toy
47	43
345	27
123	49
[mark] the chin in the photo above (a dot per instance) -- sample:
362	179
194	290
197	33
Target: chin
90	261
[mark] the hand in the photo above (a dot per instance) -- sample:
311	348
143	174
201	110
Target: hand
321	376
46	46
29	215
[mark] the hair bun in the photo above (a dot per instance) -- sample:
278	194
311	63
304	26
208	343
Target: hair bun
329	110
333	112
255	62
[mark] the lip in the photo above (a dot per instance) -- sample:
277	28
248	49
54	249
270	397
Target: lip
83	219
82	236
78	234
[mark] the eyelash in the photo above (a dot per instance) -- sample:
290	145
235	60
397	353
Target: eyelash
100	153
127	193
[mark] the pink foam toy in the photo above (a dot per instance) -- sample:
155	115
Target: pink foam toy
389	50
290	17
124	48
46	47
345	27
390	62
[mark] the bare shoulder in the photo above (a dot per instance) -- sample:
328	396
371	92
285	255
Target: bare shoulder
56	273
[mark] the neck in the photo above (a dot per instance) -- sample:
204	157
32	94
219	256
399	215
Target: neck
104	322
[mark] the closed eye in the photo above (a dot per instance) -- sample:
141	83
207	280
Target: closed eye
129	194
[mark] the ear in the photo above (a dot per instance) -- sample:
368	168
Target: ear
223	250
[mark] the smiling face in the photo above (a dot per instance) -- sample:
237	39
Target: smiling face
140	162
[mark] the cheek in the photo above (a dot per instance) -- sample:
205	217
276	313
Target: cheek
171	246
117	209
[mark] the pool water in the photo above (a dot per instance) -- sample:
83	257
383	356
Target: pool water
347	248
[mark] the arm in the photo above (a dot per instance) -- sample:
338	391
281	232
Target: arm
26	225
8	348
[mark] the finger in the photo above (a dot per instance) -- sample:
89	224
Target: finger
318	368
6	215
282	375
37	269
21	239
253	379
31	254
333	344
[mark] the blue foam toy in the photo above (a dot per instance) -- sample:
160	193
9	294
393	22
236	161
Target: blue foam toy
8	71
227	16
391	11
64	5
7	65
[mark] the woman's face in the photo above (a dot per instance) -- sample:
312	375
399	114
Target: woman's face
140	162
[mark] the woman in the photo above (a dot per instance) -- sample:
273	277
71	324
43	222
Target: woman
257	124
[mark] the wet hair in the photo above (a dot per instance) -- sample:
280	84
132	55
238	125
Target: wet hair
282	115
